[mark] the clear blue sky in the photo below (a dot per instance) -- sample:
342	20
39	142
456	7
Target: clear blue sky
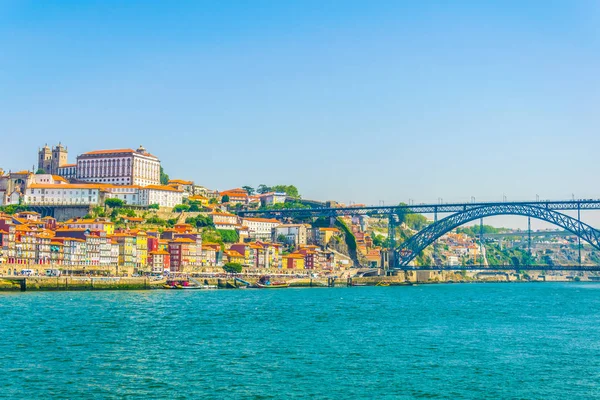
350	100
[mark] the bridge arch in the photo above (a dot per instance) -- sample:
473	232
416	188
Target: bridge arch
407	251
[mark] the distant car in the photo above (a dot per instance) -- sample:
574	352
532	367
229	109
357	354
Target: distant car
53	272
27	272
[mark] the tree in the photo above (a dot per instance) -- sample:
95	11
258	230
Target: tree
153	207
40	171
194	206
156	221
181	208
262	189
164	178
233	268
225	199
229	236
281	238
249	189
290	190
200	221
213	201
114	203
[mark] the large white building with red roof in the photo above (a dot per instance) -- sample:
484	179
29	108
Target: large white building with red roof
119	167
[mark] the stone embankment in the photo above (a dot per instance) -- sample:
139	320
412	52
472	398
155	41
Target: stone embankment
41	283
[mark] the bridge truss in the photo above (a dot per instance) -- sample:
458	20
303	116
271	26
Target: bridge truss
416	244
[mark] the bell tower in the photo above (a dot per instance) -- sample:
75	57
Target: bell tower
59	158
45	159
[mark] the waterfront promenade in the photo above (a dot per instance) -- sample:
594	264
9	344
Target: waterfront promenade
225	281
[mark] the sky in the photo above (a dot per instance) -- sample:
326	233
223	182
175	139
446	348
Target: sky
357	101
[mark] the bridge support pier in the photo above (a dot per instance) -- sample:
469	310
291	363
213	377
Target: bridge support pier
392	243
579	237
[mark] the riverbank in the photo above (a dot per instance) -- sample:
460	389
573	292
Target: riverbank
63	283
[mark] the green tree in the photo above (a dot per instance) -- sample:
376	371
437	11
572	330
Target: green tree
194	206
200	221
181	208
114	203
171	222
40	171
229	236
164	178
156	221
153	207
262	189
290	190
233	268
213	201
281	238
225	199
249	189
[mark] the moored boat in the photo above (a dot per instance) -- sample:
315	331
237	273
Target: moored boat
264	282
272	285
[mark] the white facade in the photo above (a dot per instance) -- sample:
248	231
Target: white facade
68	171
119	167
294	233
46	179
164	196
268	199
129	194
260	228
63	194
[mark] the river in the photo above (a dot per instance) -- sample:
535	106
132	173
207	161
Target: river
456	341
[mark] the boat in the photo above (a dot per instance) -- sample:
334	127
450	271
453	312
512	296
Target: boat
264	282
176	284
359	284
205	287
167	286
272	285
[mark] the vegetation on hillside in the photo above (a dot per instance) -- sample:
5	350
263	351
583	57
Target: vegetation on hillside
475	229
164	178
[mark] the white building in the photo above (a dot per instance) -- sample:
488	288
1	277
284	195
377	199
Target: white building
64	194
119	167
294	233
268	199
164	196
260	228
46	179
68	171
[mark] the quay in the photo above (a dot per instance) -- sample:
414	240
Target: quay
401	278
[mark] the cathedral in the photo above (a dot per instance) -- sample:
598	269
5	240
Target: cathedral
51	160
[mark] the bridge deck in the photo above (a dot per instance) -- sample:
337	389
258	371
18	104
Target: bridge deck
590	204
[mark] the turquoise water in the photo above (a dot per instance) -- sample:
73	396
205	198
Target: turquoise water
522	341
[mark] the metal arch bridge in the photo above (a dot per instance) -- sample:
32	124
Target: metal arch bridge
415	209
417	243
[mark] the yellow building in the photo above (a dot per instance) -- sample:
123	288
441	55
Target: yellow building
233	256
293	261
141	250
92	225
325	235
127	249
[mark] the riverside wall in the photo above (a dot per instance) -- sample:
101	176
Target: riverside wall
42	283
62	283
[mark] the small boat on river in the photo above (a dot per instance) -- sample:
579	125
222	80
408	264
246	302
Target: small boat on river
264	282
